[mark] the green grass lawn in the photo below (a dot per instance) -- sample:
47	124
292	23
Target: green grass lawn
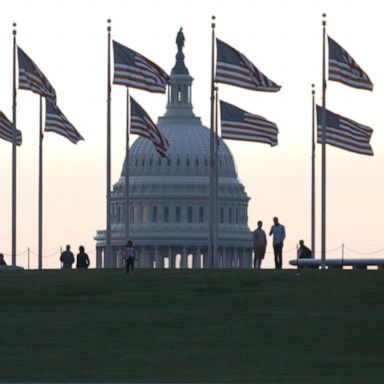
227	326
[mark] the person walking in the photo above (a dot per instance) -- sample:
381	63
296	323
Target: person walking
278	232
82	259
259	245
67	258
129	256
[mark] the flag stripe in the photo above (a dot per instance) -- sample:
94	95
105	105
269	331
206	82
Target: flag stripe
55	121
344	69
6	130
344	133
237	124
142	125
134	70
32	79
233	68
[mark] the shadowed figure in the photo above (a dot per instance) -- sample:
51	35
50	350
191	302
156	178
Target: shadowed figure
2	261
67	258
82	259
278	232
259	245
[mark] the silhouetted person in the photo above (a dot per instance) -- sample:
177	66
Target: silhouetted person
303	252
2	261
82	259
259	245
129	256
67	258
278	232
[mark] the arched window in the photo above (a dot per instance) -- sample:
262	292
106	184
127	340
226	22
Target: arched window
197	162
178	162
166	214
159	162
205	162
168	162
178	214
201	214
188	162
230	215
151	162
221	215
154	214
143	162
136	162
144	215
190	214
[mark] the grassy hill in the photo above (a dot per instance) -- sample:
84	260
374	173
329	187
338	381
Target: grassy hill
192	326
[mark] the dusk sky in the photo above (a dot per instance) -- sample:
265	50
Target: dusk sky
68	41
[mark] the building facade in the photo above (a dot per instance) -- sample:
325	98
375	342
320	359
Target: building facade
169	197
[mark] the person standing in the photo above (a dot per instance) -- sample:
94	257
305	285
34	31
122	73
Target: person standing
278	232
259	245
130	256
82	259
67	258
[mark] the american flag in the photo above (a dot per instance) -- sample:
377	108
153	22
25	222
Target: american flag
344	133
344	69
55	121
233	68
32	79
136	71
142	125
237	124
6	130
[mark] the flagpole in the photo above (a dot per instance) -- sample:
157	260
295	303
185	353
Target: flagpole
313	185
211	156
14	191
40	235
128	126
216	181
108	256
323	156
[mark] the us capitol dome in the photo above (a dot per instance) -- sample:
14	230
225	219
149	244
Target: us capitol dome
169	197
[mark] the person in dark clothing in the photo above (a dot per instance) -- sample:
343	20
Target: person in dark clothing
2	261
67	258
129	256
82	259
303	252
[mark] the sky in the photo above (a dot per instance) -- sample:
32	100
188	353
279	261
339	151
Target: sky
68	41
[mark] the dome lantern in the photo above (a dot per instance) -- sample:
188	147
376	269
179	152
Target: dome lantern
180	84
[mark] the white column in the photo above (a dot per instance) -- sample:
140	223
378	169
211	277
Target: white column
183	259
197	259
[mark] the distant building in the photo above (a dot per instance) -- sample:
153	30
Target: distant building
169	198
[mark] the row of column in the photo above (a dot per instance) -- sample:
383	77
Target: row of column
161	257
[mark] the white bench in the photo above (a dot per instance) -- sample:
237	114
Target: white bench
339	263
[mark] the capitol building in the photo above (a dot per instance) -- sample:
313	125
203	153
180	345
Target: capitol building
169	197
